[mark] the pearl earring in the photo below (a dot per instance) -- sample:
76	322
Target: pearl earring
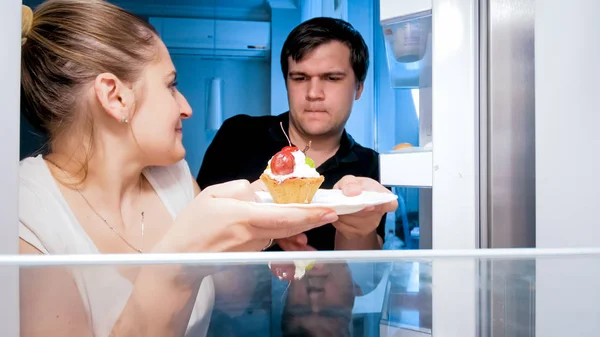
124	120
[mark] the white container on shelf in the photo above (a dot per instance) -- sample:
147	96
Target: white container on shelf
407	40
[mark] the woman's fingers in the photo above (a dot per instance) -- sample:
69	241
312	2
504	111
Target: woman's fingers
258	186
282	222
236	189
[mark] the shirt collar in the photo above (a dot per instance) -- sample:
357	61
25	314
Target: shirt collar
344	154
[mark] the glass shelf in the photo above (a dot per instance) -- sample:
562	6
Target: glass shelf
350	293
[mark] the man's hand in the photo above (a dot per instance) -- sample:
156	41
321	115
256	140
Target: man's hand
365	222
294	243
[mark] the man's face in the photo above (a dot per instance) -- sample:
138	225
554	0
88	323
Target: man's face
322	301
321	90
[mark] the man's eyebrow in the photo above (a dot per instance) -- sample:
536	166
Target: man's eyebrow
335	73
329	73
296	73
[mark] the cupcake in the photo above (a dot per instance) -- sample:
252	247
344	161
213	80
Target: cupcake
291	177
288	272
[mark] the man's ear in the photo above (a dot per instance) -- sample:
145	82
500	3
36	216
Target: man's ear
357	290
359	90
114	96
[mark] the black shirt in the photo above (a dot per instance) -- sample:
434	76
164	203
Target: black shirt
244	144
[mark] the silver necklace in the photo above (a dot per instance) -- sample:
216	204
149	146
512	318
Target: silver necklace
139	250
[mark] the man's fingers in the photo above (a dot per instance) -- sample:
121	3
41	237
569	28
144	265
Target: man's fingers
353	186
300	239
293	245
349	185
387	207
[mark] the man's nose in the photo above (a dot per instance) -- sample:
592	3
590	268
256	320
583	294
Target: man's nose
315	90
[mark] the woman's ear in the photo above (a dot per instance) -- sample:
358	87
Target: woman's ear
114	96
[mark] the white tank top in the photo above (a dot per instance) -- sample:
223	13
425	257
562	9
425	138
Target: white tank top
47	223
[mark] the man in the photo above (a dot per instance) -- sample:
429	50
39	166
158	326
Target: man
320	303
324	62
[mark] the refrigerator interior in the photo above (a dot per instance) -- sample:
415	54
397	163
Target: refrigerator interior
403	122
403	128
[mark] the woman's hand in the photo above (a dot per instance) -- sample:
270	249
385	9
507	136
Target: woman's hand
225	217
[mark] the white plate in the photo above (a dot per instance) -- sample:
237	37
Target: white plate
337	201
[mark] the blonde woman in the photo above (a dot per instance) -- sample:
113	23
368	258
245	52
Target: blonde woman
101	84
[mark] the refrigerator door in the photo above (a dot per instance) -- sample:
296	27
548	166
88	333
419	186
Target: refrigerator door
403	121
441	90
10	39
443	155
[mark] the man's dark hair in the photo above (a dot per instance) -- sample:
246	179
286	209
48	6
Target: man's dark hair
317	31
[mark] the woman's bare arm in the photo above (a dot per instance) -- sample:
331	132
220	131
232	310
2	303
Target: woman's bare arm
45	290
160	303
237	282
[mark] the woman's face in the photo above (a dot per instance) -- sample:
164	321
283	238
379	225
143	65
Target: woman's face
157	123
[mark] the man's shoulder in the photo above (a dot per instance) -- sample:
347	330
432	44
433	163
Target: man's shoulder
359	160
363	153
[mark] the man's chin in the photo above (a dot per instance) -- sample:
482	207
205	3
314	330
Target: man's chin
320	133
316	129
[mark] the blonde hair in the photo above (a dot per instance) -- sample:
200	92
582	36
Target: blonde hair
65	45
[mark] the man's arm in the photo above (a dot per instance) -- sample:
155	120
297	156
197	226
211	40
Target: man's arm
370	242
374	239
376	176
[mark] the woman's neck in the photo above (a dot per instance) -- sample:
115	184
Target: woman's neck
108	172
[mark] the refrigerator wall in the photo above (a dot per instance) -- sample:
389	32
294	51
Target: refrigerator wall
507	162
567	118
567	121
507	124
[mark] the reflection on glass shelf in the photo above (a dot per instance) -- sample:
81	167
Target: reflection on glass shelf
408	307
374	294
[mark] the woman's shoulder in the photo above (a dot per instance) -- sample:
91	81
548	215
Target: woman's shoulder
43	220
173	182
32	167
35	181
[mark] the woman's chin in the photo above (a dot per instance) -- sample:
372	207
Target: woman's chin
168	158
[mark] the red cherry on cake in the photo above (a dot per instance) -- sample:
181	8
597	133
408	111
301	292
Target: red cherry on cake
289	149
282	163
